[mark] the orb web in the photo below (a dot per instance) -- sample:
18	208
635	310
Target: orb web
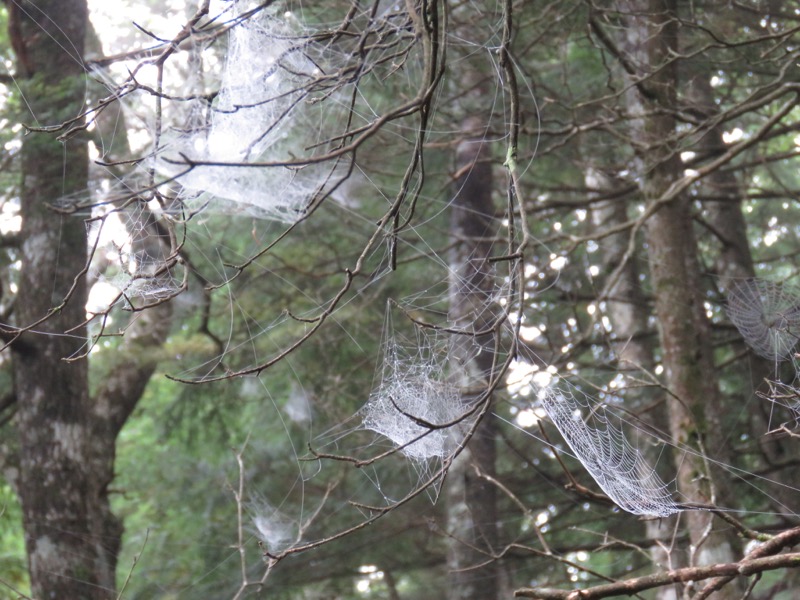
767	315
601	446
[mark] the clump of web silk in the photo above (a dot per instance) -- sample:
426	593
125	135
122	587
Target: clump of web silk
262	113
415	404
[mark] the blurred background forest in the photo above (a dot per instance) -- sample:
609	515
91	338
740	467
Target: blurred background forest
399	300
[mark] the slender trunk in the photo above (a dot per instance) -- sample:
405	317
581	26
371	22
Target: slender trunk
472	502
694	403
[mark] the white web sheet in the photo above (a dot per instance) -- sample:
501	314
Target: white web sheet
414	390
617	466
260	114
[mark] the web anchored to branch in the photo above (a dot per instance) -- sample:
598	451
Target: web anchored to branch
255	117
415	404
423	412
617	466
767	316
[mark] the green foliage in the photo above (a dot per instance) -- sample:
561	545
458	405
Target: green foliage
13	566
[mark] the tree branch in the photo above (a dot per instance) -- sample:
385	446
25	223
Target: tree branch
743	568
763	558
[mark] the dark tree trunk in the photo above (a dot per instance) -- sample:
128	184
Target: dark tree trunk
65	558
66	439
472	501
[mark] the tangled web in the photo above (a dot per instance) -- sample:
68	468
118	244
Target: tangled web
132	254
275	530
767	316
618	467
415	405
261	114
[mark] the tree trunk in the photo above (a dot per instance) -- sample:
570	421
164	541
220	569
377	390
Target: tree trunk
472	501
65	558
694	402
66	439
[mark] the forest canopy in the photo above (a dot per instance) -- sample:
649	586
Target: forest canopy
425	299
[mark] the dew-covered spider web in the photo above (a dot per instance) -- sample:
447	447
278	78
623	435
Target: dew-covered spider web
262	113
598	441
767	315
416	403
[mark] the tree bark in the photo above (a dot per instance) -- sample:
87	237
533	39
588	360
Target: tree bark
472	499
694	402
66	439
65	558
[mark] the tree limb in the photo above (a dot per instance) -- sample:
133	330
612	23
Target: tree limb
743	568
763	558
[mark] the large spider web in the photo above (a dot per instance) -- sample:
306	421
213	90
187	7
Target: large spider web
614	463
767	315
261	113
271	101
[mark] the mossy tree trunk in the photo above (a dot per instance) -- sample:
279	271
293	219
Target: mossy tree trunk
52	393
66	438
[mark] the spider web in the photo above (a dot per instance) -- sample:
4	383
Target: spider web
261	113
416	405
767	315
131	255
614	463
